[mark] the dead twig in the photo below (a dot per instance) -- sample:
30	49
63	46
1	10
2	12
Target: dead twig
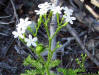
15	13
3	17
67	43
95	2
4	34
92	11
6	23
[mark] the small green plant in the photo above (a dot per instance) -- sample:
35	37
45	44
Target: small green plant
68	71
40	66
75	71
82	62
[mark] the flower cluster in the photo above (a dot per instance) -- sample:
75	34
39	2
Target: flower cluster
56	9
45	7
20	30
67	15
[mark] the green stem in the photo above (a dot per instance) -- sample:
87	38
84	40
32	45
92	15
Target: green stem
58	29
50	52
49	57
62	20
46	25
49	39
38	25
58	19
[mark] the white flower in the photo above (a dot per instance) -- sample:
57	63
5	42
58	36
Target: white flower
21	30
56	9
31	41
44	7
24	23
69	19
67	11
17	34
21	27
41	11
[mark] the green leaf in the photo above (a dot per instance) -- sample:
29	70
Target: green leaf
27	61
71	72
54	63
62	70
68	71
30	72
37	64
32	62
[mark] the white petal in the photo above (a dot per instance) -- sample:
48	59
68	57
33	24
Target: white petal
26	39
34	44
73	18
21	36
71	22
28	44
15	34
21	20
35	39
26	19
64	16
36	10
30	37
71	10
18	25
28	23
